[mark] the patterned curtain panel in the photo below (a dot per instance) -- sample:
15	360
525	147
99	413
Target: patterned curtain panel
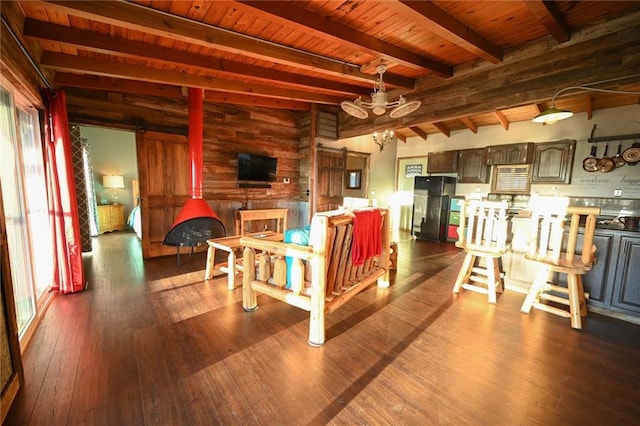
92	203
84	212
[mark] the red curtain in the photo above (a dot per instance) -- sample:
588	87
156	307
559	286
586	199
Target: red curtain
61	192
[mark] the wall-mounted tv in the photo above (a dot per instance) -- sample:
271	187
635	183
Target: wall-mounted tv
256	168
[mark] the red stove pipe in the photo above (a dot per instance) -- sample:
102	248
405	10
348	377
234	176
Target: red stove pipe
195	140
196	206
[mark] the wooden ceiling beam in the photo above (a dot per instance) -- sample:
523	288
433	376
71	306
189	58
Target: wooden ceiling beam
598	49
446	26
137	17
325	28
418	131
154	89
400	137
109	45
502	119
72	63
470	124
442	128
549	15
258	101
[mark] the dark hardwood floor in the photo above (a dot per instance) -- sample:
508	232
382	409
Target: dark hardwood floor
152	343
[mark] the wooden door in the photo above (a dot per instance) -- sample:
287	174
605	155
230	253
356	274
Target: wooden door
330	180
163	170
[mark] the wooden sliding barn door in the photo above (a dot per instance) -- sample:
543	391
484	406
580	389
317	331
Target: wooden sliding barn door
163	169
330	180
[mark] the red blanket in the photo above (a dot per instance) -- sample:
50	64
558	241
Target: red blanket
366	235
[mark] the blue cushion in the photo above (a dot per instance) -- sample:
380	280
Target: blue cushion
296	236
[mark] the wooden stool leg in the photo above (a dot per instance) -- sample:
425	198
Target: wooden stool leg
583	302
231	270
491	279
211	259
574	301
465	272
536	287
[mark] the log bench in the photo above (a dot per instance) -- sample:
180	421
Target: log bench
323	276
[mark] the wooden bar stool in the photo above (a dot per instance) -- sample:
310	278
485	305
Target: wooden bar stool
554	248
483	235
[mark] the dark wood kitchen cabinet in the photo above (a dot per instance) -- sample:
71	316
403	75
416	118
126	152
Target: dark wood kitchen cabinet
553	161
442	162
626	288
515	153
472	166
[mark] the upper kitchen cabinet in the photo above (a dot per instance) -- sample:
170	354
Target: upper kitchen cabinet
516	153
442	162
553	161
472	165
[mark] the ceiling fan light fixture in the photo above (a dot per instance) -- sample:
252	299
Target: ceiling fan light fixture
354	108
404	108
379	102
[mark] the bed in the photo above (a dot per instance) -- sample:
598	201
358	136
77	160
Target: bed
134	221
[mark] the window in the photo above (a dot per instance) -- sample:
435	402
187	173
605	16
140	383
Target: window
412	170
353	179
25	205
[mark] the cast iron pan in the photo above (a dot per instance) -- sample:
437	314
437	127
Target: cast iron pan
605	164
590	164
632	154
618	161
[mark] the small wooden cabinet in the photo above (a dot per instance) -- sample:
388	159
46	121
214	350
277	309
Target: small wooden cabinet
472	165
110	218
442	162
516	153
553	161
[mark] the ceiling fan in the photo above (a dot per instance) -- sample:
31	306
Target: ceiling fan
379	102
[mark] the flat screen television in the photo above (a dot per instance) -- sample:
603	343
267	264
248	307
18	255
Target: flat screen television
257	168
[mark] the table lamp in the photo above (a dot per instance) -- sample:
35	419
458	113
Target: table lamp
113	183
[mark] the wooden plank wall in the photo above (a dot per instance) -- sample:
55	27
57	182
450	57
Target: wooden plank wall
228	130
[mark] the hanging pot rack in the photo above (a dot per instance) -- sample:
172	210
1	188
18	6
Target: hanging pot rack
611	138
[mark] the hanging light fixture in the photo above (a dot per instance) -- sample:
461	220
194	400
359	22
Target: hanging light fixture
379	102
382	139
553	114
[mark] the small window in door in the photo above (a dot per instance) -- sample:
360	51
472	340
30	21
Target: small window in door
353	179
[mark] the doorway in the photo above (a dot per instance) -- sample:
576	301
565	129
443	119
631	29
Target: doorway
111	152
408	168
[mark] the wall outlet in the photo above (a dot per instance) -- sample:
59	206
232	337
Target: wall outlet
286	180
617	193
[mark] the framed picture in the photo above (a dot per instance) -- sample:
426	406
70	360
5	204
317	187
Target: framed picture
353	179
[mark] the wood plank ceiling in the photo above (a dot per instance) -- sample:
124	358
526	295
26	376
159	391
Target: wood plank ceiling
471	64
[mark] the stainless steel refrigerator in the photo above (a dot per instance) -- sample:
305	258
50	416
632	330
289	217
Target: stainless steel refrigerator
431	196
